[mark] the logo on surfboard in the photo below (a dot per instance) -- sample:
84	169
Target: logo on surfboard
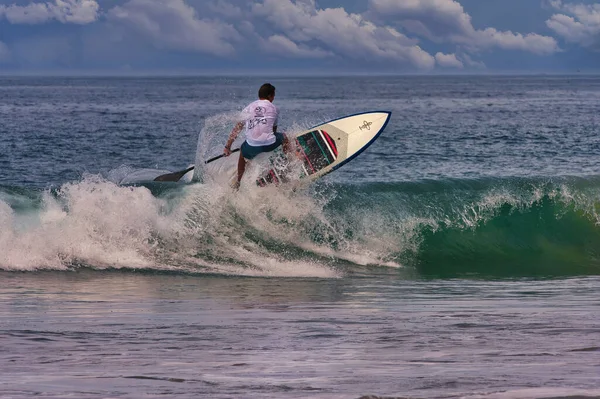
366	125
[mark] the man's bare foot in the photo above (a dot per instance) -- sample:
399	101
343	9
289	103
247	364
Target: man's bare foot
234	184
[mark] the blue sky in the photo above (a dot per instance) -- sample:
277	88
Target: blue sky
363	36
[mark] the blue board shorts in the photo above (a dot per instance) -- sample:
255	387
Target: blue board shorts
250	152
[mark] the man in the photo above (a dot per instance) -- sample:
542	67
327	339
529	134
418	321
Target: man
260	121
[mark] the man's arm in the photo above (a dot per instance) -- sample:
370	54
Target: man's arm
232	136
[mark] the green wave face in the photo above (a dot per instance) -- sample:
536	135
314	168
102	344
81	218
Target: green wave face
490	228
548	238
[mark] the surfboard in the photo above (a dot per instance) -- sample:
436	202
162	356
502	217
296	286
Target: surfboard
324	148
318	151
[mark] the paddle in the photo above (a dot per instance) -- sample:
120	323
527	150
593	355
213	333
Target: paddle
175	176
220	156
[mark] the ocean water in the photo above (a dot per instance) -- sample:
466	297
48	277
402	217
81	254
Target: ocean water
458	257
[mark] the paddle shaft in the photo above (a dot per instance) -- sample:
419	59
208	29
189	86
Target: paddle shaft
220	156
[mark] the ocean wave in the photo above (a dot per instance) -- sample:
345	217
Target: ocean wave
484	228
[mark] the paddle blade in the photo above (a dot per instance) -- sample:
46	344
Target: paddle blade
173	177
176	176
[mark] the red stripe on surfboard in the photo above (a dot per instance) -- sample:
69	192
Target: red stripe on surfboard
330	142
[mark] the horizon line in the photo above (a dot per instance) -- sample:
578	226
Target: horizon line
191	73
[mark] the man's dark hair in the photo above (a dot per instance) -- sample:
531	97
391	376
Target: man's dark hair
266	90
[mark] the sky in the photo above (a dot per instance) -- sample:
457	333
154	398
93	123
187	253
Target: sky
300	36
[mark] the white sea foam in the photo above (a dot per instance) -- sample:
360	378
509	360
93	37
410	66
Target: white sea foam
539	393
93	222
99	224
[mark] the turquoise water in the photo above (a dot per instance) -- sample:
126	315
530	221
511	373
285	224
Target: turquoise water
456	257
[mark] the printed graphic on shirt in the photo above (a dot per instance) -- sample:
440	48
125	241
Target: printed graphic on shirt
260	117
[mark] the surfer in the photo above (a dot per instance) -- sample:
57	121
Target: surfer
259	119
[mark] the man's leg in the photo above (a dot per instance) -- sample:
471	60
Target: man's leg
286	144
241	167
283	140
290	149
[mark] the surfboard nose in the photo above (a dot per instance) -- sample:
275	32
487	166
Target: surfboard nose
362	129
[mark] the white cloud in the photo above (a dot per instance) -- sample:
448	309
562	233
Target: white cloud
582	26
173	24
470	62
344	34
225	9
281	45
446	21
448	61
66	11
507	40
434	19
